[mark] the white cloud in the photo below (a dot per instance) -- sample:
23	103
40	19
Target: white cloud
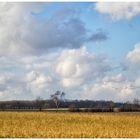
5	77
134	55
31	76
25	33
78	72
16	22
117	78
21	86
12	87
116	88
137	82
119	11
37	82
76	66
132	62
26	41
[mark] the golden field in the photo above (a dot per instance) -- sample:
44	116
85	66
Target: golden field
69	125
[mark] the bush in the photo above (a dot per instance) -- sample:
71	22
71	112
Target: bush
85	110
72	108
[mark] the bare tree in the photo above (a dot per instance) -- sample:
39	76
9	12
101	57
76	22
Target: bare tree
58	97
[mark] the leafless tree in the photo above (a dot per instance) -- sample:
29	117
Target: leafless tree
58	97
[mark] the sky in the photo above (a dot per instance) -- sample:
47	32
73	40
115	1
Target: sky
87	50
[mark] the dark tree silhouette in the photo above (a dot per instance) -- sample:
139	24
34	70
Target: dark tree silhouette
39	103
136	104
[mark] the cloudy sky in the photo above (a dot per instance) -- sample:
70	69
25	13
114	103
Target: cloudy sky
88	50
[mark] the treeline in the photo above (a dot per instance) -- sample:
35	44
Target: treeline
73	105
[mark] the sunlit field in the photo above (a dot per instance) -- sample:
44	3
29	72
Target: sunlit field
69	125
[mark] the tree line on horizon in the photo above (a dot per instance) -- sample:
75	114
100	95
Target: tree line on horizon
57	100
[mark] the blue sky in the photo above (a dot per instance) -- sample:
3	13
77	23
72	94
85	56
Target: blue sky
88	50
122	34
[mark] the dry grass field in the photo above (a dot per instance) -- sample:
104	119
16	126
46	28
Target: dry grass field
69	125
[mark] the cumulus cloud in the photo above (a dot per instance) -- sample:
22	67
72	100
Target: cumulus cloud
15	23
137	81
76	66
42	54
23	32
38	82
12	87
132	62
134	55
117	88
116	79
78	72
5	77
119	11
132	66
26	86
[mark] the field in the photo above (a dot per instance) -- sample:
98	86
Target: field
69	125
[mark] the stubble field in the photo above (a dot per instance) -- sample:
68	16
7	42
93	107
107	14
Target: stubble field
69	125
